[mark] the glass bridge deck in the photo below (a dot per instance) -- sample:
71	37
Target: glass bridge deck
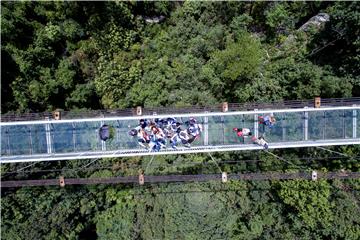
46	140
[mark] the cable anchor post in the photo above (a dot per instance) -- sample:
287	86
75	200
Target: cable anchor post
314	175
141	177
62	181
224	177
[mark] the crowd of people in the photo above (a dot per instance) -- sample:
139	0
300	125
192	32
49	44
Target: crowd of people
155	135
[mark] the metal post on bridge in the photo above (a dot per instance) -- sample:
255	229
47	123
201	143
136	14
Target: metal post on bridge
31	142
103	144
8	142
73	135
256	124
306	125
354	123
206	130
284	127
225	108
48	136
118	132
343	116
223	129
324	125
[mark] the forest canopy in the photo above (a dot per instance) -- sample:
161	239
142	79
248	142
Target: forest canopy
72	55
112	54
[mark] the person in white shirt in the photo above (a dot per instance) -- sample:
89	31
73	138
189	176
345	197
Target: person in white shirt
261	142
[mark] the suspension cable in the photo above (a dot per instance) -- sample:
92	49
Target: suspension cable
149	163
342	154
5	174
283	159
215	161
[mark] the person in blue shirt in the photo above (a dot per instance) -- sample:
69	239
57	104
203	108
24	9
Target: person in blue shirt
267	120
194	129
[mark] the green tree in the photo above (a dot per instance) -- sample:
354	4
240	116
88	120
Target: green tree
310	200
234	67
117	222
115	77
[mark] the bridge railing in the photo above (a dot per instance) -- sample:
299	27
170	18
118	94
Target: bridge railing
78	114
82	135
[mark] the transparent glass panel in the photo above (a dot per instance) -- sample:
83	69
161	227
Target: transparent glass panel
120	137
124	139
38	139
19	140
277	131
316	129
216	130
87	136
5	141
63	137
348	122
240	121
334	127
288	127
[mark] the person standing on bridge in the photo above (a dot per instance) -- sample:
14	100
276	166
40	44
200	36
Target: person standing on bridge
267	120
242	132
180	136
142	137
158	135
194	129
143	123
261	142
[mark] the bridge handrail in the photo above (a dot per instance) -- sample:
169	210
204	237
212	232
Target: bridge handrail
76	114
178	115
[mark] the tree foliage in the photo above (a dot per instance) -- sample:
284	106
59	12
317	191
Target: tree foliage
75	55
106	54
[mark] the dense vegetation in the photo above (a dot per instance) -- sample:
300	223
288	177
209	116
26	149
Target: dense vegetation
80	55
76	55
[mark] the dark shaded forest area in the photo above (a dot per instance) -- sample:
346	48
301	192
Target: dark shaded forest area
105	55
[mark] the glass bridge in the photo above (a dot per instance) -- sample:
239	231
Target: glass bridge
48	139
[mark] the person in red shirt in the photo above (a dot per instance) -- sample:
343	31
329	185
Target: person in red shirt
242	132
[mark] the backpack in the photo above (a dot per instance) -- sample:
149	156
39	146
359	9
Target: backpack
104	132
